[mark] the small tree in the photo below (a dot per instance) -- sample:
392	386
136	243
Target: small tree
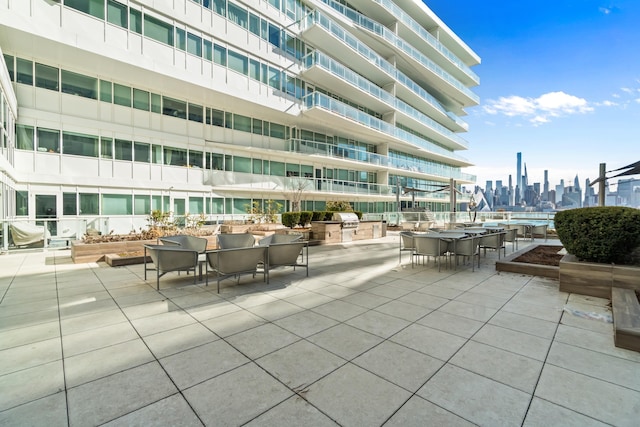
296	188
267	214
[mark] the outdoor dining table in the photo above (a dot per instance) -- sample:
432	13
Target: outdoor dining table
493	228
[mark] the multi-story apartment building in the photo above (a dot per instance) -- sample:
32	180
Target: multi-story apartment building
116	108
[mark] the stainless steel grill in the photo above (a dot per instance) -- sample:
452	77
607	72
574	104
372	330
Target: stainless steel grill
347	219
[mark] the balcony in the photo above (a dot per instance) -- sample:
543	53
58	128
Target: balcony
322	69
329	110
419	36
378	161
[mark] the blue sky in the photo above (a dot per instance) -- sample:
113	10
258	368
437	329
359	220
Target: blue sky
559	82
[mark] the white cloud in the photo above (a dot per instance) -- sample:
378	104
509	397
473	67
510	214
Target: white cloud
539	110
606	103
627	89
605	10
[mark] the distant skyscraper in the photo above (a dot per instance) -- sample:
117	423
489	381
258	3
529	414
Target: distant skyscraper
559	191
576	183
545	194
518	196
511	192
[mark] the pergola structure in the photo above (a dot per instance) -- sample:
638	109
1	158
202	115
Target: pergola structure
632	169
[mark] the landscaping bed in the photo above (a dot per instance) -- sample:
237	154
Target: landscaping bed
539	260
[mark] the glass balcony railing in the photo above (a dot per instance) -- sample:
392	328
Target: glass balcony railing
394	40
303	146
407	20
320	100
323	61
363	50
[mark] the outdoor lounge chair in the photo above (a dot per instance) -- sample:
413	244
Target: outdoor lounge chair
511	236
406	244
168	258
539	230
467	247
286	255
279	238
493	241
235	240
426	245
234	262
186	242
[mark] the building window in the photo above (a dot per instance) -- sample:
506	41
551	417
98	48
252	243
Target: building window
220	55
47	77
135	21
106	148
158	30
91	7
117	204
208	50
117	13
24	137
181	39
242	123
237	15
140	99
24	71
242	164
69	204
122	150
220	7
8	59
89	204
106	91
238	62
195	113
195	158
256	126
196	205
174	108
217	162
79	145
175	156
122	95
157	154
22	203
78	84
48	140
141	205
277	169
141	152
194	44
217	118
156	103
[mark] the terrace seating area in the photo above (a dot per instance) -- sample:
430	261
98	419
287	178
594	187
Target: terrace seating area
364	339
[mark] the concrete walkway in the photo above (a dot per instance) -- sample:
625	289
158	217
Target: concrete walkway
363	341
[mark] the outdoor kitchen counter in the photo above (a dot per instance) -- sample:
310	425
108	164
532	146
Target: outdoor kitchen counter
334	232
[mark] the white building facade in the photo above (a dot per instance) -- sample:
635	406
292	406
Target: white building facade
112	109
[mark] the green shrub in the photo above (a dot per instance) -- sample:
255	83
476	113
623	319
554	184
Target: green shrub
305	217
317	216
358	214
339	206
290	219
606	234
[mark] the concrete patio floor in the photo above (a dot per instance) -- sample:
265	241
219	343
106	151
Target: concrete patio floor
362	341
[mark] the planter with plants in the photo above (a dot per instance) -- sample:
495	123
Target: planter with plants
603	260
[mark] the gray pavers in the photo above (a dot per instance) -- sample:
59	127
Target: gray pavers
362	341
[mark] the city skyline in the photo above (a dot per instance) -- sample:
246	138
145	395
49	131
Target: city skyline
558	83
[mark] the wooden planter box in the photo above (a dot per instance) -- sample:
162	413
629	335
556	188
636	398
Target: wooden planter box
507	264
95	252
595	279
626	318
115	260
